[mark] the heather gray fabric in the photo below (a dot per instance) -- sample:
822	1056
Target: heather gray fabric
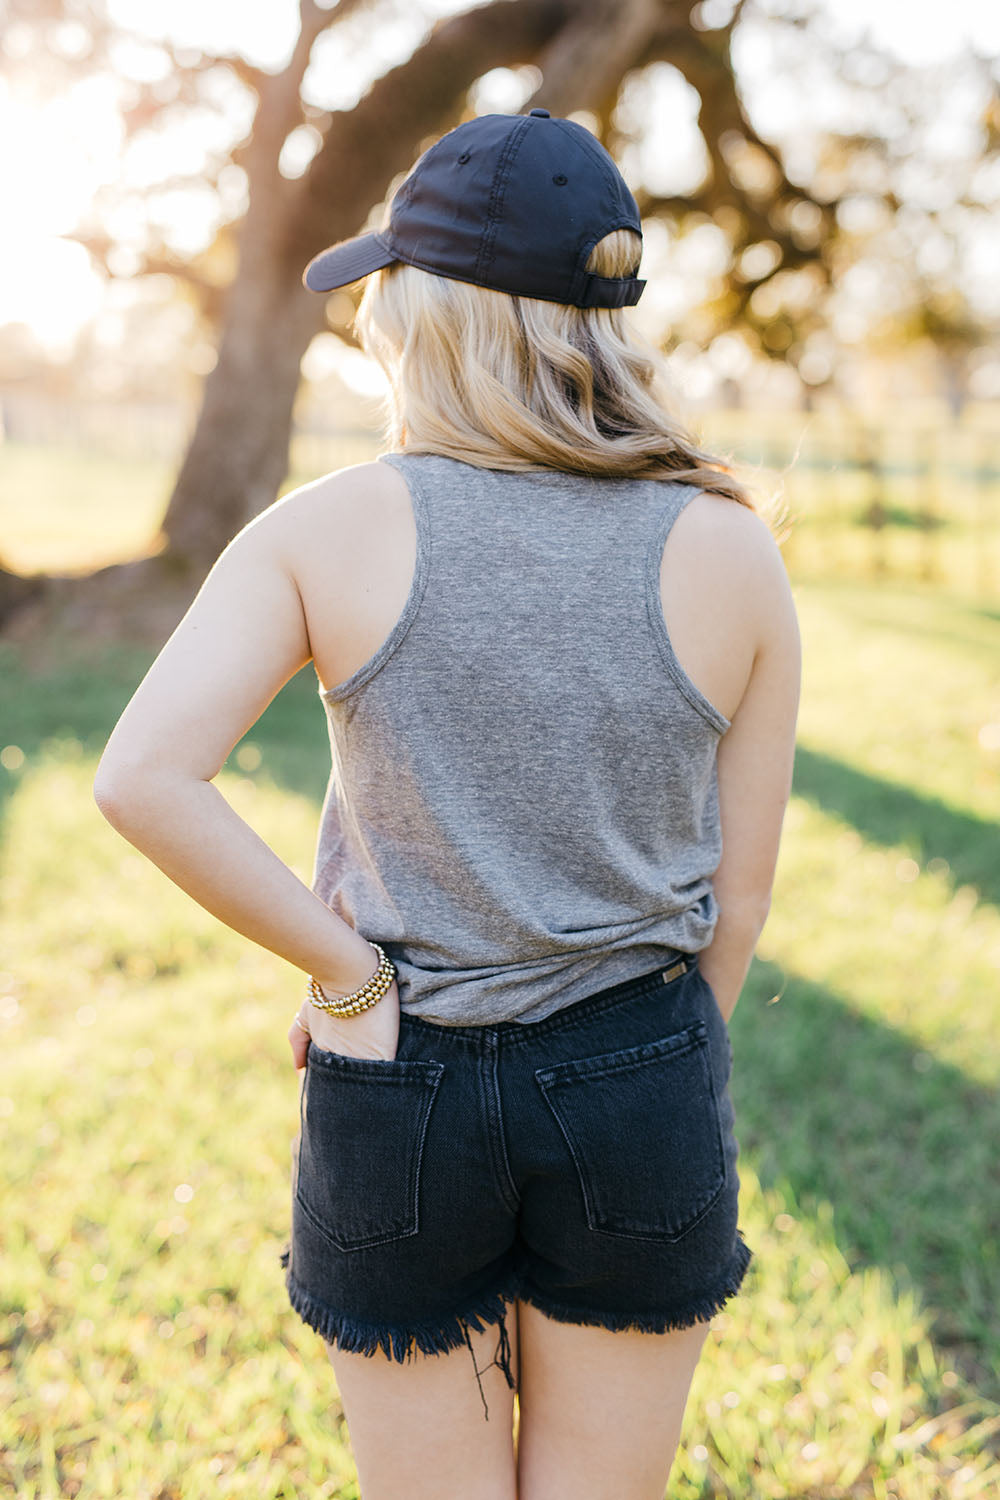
523	803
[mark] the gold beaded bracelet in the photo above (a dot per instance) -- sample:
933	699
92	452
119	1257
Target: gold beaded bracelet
369	994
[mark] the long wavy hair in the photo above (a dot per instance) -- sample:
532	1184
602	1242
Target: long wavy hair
511	382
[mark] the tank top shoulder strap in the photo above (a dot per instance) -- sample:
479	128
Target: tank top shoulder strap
676	497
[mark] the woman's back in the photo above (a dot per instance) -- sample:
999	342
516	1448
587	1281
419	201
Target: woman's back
524	763
352	540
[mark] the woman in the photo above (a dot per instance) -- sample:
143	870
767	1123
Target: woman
560	661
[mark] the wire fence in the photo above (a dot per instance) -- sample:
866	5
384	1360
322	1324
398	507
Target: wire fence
877	497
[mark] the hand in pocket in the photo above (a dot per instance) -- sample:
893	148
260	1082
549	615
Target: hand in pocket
373	1033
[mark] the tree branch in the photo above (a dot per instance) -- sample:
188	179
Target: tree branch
159	262
365	147
582	67
705	60
280	94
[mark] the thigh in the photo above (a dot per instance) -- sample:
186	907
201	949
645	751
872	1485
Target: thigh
423	1429
600	1411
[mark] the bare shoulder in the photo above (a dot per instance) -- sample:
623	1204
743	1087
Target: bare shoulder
734	534
334	508
348	542
733	550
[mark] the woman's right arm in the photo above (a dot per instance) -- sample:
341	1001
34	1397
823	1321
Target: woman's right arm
755	760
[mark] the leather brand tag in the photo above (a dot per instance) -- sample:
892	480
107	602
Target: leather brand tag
675	969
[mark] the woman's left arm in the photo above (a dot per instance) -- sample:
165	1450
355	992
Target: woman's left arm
241	640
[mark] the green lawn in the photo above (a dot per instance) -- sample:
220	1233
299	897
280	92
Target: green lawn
149	1103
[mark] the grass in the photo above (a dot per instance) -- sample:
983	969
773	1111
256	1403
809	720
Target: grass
149	1104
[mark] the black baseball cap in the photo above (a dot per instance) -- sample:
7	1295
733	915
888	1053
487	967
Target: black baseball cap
512	202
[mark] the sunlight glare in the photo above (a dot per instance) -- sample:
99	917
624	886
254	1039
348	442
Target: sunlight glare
67	148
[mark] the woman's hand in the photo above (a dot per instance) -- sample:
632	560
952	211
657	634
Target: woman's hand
372	1033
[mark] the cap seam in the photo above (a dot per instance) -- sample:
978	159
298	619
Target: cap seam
501	177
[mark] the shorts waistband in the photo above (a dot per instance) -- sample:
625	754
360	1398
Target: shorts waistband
675	963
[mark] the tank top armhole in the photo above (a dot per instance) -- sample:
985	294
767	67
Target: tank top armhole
658	624
394	639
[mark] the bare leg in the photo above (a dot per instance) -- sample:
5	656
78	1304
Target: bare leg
419	1431
600	1412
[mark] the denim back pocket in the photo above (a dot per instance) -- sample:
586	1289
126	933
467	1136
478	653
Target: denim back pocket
364	1123
644	1131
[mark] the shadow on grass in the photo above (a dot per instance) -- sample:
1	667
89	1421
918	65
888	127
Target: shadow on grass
886	813
831	1104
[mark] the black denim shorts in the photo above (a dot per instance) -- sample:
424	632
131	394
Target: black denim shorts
585	1163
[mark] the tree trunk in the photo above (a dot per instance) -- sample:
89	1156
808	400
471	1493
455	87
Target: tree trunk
16	591
238	454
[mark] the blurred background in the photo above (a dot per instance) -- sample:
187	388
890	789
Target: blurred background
819	182
819	187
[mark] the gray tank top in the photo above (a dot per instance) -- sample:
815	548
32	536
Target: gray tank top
523	801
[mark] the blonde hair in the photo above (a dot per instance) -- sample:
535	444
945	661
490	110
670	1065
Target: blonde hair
511	382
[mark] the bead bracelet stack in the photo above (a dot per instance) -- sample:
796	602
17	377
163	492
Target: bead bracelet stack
369	994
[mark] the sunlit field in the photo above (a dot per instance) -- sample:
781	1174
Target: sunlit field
101	507
149	1104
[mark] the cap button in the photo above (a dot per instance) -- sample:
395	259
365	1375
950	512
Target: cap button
542	114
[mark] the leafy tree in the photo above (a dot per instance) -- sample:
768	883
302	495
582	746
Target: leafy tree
587	55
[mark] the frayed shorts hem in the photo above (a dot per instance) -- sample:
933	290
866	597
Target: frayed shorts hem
698	1311
399	1341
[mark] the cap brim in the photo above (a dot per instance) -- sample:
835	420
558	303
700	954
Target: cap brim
347	262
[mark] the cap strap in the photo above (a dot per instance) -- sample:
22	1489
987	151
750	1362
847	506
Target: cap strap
609	291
